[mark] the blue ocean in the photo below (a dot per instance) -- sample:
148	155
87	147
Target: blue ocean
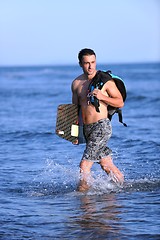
39	171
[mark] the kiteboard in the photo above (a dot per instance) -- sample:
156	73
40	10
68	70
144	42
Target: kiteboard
69	125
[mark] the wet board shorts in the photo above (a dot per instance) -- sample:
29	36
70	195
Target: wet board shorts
97	135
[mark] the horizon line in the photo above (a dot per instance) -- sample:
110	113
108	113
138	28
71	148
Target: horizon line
72	64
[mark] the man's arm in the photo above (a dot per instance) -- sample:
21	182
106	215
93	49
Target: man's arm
114	97
74	93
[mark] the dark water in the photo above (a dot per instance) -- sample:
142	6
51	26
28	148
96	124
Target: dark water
39	171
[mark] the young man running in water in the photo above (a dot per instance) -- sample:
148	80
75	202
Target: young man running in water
97	126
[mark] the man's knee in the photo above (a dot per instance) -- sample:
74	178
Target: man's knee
106	163
85	166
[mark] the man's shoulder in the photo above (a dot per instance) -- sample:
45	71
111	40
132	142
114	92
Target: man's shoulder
109	83
78	79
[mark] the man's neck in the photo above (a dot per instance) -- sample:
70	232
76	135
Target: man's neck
90	76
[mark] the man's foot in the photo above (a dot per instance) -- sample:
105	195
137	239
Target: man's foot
83	186
117	177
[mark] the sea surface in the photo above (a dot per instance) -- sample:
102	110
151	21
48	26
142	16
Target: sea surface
39	171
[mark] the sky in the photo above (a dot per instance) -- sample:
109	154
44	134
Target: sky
52	32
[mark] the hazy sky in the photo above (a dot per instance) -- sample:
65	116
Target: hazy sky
53	31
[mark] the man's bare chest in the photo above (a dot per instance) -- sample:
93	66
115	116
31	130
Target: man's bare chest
83	89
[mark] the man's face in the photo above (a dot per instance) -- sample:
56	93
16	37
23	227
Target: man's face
88	64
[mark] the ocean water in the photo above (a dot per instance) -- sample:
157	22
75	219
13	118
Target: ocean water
39	172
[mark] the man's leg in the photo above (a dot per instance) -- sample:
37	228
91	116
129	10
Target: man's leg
85	171
109	167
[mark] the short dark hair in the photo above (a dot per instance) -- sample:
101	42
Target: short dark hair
85	52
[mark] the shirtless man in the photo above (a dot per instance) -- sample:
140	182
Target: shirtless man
97	126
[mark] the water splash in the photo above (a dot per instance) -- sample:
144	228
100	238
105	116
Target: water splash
55	179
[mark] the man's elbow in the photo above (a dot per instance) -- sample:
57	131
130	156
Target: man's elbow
75	101
121	104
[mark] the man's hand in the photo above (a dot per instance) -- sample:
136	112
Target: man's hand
98	94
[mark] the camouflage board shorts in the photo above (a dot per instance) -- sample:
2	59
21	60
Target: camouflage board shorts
97	135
